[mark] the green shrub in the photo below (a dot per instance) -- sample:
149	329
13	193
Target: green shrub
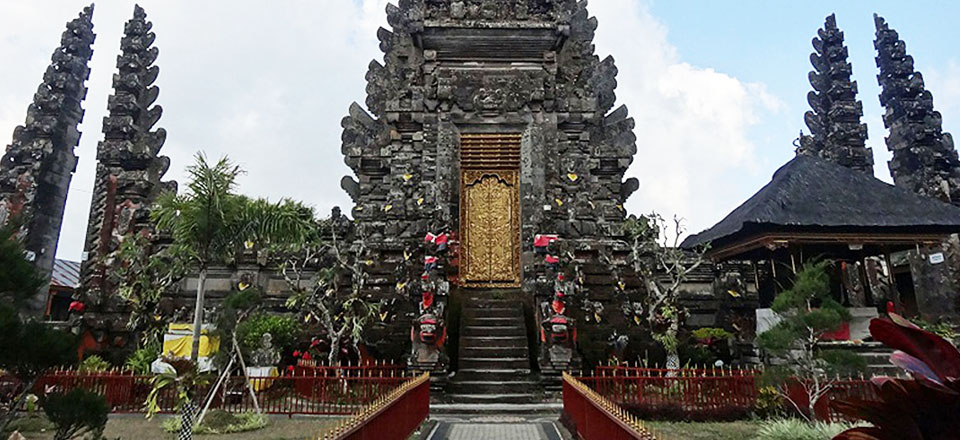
76	413
795	429
140	360
284	330
221	422
94	364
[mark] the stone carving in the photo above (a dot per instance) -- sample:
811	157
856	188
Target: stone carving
37	167
266	355
836	132
129	169
439	81
924	157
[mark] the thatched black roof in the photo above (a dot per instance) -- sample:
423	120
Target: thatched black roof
811	194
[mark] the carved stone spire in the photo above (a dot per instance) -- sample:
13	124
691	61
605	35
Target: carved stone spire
836	131
129	168
36	169
924	157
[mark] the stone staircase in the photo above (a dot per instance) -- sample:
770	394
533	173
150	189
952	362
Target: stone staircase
494	365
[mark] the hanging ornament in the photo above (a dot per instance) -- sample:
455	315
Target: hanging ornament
420	201
242	286
387	208
407	177
248	244
427	300
573	177
559	202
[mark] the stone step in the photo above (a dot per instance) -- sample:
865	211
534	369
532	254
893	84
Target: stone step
493	321
486	330
490	303
491	374
495	363
468	409
492	398
486	351
499	312
492	387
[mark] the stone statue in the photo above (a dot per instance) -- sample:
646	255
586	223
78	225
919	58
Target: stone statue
266	354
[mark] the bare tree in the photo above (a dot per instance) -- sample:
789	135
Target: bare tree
663	266
313	272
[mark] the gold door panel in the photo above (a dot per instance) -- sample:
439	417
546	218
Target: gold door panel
490	221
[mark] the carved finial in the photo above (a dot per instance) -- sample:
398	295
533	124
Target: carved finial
834	121
924	158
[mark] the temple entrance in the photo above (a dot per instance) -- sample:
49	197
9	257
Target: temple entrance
490	210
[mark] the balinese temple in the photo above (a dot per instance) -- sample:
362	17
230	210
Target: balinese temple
891	243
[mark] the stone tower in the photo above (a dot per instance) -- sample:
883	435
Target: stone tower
129	168
924	158
836	131
38	165
494	120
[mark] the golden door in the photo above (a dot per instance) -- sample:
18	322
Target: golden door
490	225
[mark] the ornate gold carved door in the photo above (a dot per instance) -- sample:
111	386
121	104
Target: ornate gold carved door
490	225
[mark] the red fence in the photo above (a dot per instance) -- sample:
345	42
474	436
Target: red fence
700	394
320	390
594	417
394	417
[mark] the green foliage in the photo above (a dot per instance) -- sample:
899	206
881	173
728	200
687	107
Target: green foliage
795	429
769	403
27	349
209	221
243	300
18	277
142	276
76	413
711	333
807	313
94	364
222	422
140	360
283	329
184	378
842	362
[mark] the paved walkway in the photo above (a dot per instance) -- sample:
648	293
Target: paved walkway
496	428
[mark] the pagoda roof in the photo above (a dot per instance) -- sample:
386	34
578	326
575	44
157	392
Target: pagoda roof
810	195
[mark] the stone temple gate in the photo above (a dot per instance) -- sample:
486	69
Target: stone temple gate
495	120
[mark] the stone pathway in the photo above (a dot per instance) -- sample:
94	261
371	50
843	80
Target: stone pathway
496	428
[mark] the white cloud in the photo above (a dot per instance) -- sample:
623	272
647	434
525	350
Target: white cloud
693	123
268	86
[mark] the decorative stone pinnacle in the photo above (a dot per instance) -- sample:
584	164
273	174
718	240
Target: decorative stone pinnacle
834	121
924	157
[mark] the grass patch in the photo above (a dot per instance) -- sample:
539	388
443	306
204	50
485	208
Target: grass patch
794	429
34	423
221	422
706	431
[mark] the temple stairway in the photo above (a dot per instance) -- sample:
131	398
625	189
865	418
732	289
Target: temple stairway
494	360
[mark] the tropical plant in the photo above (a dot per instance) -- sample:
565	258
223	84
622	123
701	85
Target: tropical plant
76	413
313	271
795	429
142	275
210	222
94	364
925	407
222	422
664	267
27	350
142	358
807	313
184	378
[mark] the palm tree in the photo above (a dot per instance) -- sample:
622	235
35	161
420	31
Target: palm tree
210	222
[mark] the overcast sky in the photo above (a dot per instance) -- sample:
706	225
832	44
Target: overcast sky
717	88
